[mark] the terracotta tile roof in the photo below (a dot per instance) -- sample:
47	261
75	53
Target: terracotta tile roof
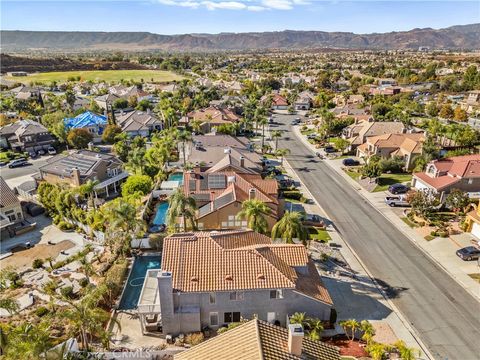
437	183
218	115
238	260
257	340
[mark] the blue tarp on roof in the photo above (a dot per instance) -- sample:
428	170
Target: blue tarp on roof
86	119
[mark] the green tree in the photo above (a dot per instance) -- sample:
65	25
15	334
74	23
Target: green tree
255	212
446	111
10	305
281	153
368	331
110	133
457	200
141	184
290	226
406	353
144	105
459	114
182	206
27	341
423	204
183	137
136	161
299	318
351	325
79	138
276	135
373	168
120	104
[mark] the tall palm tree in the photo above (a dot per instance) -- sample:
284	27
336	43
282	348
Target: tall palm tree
290	226
181	206
263	121
276	135
85	318
88	190
27	341
282	153
255	211
368	331
315	329
184	136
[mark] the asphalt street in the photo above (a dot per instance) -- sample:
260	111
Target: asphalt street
445	316
30	169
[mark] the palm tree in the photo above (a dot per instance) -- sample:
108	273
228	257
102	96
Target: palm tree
184	136
376	351
282	153
136	161
351	325
85	318
276	135
50	261
299	318
255	211
315	329
289	227
29	341
88	190
181	206
263	121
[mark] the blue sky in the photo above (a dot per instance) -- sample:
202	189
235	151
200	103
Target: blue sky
214	16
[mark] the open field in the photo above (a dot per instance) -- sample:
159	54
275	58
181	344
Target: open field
157	76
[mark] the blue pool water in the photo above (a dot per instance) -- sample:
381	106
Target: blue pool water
134	284
176	177
160	214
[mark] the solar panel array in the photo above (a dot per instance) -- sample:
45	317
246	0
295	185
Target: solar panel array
201	197
192	185
217	181
203	183
222	201
82	164
205	209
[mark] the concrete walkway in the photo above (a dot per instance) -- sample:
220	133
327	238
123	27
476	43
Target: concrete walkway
433	249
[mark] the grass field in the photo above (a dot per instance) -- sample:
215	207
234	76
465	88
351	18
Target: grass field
157	76
386	180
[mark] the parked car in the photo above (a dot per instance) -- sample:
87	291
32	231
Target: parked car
350	162
468	253
398	189
329	149
17	163
51	150
295	122
297	119
396	201
3	163
313	220
41	152
320	156
32	154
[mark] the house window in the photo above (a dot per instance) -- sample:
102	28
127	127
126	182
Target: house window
276	294
214	319
236	295
200	226
12	217
470	181
212	298
229	317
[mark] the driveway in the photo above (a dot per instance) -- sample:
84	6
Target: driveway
31	169
446	317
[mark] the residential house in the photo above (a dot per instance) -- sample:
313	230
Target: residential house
205	151
358	132
138	123
304	100
211	117
472	103
94	123
80	166
234	103
25	135
441	176
406	146
129	92
385	90
472	222
220	191
106	101
11	212
211	279
27	93
79	103
260	340
278	102
387	82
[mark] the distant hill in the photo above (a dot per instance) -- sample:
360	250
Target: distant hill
455	37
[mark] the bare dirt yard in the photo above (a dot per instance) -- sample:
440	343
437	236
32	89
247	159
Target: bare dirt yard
24	258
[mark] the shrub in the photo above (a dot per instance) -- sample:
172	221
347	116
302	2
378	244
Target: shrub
41	311
433	233
67	291
83	282
443	233
194	338
65	226
37	263
293	194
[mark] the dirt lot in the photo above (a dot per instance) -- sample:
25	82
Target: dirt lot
25	258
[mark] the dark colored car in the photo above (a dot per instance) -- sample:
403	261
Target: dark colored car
32	154
468	253
329	149
41	152
350	162
17	163
398	189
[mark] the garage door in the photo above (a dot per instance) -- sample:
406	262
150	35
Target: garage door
476	230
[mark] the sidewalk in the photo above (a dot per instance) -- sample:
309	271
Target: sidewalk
358	298
433	249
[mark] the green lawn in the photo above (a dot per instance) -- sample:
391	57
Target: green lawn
353	174
319	234
386	180
99	75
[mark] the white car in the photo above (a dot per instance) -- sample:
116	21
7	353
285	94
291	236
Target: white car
51	150
396	200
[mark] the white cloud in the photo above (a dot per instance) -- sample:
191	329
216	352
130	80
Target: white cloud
249	5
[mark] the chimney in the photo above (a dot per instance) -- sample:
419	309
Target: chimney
76	176
295	339
251	193
242	161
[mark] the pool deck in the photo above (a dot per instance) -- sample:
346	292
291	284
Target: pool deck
149	301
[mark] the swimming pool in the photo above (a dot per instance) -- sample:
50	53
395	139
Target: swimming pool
134	284
176	177
160	214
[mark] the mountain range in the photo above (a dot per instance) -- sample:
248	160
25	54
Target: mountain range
455	37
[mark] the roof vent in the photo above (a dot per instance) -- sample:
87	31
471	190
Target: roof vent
229	278
260	277
194	279
231	179
227	151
